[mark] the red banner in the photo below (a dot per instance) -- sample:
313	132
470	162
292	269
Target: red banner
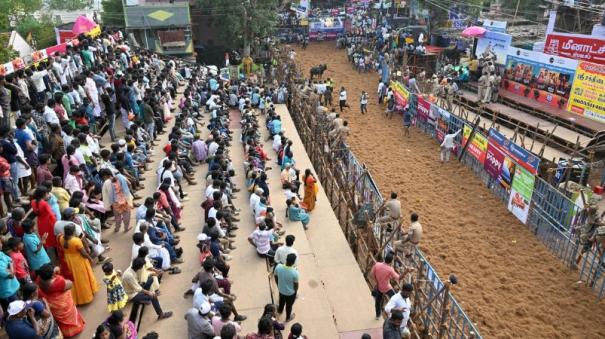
575	46
65	36
424	109
62	48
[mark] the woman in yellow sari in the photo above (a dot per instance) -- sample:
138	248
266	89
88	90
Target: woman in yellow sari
78	261
310	193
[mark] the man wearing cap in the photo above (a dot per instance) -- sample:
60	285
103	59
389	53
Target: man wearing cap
21	322
199	325
400	302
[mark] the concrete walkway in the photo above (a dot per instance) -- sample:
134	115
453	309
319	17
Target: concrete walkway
334	300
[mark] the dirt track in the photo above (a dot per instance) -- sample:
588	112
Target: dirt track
509	285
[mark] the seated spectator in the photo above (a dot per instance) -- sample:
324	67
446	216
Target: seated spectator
138	293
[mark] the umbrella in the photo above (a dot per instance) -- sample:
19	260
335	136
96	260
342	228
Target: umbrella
474	31
83	25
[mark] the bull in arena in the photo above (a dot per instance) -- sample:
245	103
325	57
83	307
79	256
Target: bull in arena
318	71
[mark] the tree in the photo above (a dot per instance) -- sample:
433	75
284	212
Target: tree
113	13
41	30
240	21
6	54
13	10
68	5
20	17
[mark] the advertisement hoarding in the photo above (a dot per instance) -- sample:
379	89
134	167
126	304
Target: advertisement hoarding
576	46
498	43
478	146
587	96
538	76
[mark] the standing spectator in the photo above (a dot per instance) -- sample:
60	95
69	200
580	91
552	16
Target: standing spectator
400	303
390	329
283	251
287	284
382	273
45	218
56	290
9	285
310	190
34	250
363	102
9	152
448	145
342	99
78	261
117	197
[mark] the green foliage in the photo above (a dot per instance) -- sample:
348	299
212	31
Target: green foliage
113	13
228	17
41	29
69	5
6	54
13	10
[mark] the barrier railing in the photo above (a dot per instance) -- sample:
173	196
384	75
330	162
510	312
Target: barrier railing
355	198
553	217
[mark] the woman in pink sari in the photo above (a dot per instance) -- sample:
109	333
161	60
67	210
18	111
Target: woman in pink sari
56	290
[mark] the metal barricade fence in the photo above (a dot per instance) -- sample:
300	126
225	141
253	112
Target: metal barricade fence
369	196
553	217
443	314
562	212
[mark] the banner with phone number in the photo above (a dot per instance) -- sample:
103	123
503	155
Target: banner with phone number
478	146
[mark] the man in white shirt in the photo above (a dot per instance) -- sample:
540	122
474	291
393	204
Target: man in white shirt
50	116
38	80
277	141
342	99
448	145
261	240
282	252
380	92
212	148
401	302
255	199
59	70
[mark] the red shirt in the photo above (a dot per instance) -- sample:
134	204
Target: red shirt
4	168
383	273
20	265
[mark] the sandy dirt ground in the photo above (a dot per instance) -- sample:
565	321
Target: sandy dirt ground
510	285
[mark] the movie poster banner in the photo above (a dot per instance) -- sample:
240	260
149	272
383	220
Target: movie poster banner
423	109
517	153
478	146
520	195
576	46
588	93
402	96
538	76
